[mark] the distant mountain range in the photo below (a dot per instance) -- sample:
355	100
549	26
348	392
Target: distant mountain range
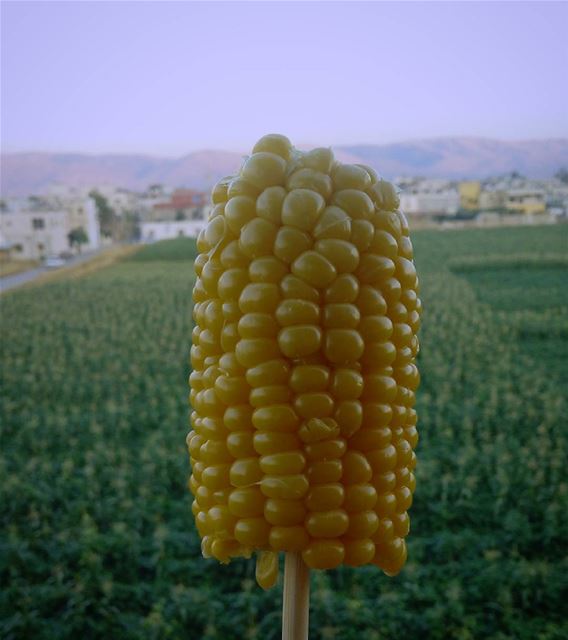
455	158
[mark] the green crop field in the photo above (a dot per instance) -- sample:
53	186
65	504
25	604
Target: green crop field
96	533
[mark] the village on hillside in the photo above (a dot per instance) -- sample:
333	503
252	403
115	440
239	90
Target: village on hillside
66	221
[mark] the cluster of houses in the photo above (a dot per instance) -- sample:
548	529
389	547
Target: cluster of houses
52	225
510	198
68	220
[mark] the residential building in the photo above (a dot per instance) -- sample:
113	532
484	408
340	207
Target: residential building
33	235
527	200
557	197
429	197
82	213
166	230
433	196
184	204
469	194
492	199
122	201
442	203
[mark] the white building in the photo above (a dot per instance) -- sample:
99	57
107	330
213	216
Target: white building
79	208
153	231
430	202
492	199
121	200
429	196
82	214
33	235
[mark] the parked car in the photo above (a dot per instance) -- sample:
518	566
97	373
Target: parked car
66	255
54	262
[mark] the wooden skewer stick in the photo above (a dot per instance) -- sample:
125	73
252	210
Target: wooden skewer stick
296	598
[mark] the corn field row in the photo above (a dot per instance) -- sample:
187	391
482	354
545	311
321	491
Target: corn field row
97	537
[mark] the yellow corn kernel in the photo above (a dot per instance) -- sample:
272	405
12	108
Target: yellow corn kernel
284	512
301	208
267	569
294	538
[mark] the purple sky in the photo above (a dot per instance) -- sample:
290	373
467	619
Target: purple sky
170	78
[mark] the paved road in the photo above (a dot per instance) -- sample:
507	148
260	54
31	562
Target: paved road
11	282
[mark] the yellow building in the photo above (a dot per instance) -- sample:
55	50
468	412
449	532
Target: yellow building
469	194
527	201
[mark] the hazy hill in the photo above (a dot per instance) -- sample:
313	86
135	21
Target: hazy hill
466	157
26	173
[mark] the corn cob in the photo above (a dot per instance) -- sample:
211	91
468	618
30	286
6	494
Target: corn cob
303	356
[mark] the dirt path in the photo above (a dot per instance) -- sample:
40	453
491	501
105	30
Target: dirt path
82	267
